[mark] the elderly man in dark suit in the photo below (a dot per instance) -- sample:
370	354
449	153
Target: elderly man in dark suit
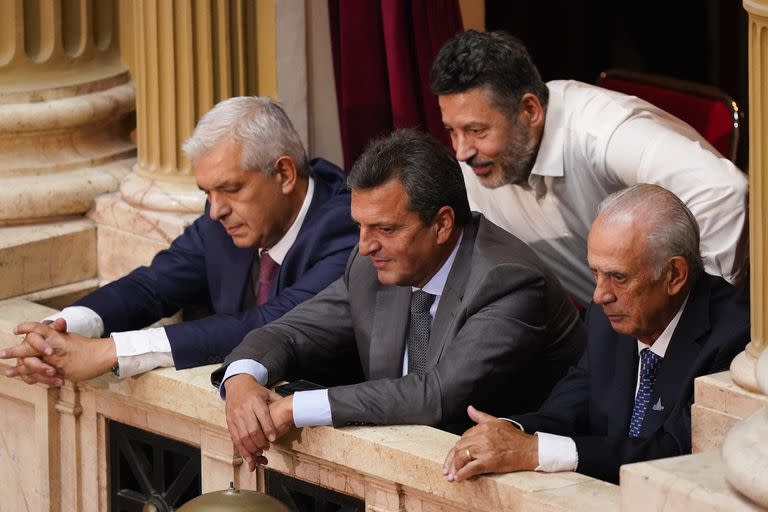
657	322
439	307
276	230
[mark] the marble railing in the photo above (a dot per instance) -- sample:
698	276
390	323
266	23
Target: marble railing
53	448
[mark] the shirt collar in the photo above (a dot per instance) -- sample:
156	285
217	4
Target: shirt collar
436	285
549	159
278	251
661	344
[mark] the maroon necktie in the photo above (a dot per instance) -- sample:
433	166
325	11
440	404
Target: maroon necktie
267	272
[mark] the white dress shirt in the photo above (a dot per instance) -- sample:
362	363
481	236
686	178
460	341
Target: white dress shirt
146	349
558	453
597	142
311	408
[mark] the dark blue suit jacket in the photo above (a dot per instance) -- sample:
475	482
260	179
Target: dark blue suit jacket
593	402
203	266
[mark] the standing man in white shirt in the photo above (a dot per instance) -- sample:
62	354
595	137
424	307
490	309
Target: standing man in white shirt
276	230
538	157
657	322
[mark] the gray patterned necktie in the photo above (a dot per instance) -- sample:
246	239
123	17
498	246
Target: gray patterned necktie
419	325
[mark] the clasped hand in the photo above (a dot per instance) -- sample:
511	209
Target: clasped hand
49	354
256	416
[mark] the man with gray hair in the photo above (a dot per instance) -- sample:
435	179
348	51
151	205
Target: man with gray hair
276	230
656	323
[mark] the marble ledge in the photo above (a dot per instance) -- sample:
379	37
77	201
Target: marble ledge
13	236
691	482
719	392
410	456
35	258
14	311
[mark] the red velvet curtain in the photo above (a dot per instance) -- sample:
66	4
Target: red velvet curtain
382	53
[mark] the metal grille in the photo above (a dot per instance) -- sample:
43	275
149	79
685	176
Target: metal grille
301	496
148	469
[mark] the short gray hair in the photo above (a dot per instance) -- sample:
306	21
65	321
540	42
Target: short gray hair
671	228
259	124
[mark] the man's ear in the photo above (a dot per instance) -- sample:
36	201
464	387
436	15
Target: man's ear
531	111
444	224
287	173
676	274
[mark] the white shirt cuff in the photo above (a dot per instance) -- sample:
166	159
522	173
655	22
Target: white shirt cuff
141	351
253	368
556	453
84	321
311	408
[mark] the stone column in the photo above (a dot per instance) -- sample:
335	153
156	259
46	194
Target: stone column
743	366
65	100
745	449
186	56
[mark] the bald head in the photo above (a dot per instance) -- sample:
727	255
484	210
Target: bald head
661	219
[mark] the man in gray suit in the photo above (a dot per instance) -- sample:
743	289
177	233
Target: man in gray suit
441	308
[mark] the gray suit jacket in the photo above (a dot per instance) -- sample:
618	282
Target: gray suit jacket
504	333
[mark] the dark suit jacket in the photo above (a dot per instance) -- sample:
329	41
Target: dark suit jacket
504	332
593	403
203	266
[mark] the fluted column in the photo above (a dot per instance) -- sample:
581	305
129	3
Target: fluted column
745	449
186	56
743	367
65	98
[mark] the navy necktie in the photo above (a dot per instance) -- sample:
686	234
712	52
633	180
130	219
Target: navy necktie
419	326
649	365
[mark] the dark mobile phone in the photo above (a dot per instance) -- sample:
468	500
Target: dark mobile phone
297	385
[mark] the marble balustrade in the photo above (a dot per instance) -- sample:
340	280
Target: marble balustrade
53	449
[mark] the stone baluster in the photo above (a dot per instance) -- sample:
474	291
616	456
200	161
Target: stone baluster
65	101
745	449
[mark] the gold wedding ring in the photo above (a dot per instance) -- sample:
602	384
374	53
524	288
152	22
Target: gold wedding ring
468	454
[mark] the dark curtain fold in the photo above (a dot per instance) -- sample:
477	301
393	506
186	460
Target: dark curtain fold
382	53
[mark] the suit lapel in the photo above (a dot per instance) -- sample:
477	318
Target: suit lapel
626	380
235	280
229	269
320	196
453	292
388	332
682	351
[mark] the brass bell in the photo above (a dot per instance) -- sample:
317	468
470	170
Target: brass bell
233	500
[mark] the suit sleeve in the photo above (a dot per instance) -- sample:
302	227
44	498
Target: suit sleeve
176	276
501	332
566	412
673	439
210	339
317	333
